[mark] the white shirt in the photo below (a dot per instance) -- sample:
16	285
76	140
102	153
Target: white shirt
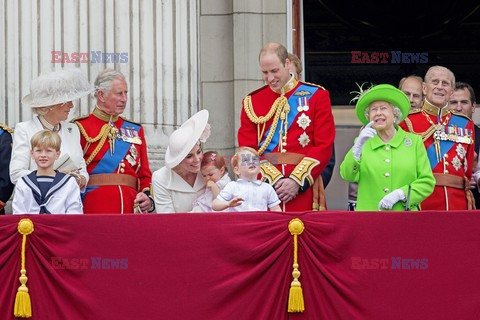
22	163
204	202
256	195
173	194
65	200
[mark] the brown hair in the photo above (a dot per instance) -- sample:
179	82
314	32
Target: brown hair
47	139
214	158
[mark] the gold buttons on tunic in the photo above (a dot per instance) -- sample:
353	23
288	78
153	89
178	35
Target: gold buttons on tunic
387	148
387	174
122	170
387	160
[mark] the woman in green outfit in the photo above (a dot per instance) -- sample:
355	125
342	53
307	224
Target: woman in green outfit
389	164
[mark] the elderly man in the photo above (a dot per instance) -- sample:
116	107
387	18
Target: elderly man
448	138
290	123
412	87
115	152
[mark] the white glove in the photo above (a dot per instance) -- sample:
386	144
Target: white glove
365	134
390	199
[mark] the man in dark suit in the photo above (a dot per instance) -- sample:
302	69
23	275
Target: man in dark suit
6	186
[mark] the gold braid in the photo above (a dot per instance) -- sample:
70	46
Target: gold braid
277	108
102	136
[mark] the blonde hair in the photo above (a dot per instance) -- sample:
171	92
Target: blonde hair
47	139
40	111
214	158
236	157
295	60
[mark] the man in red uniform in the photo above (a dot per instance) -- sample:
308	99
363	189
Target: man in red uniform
291	125
115	152
448	138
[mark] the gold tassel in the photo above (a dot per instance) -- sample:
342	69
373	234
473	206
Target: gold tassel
23	306
295	297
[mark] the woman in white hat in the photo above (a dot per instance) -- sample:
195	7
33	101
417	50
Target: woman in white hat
50	98
178	184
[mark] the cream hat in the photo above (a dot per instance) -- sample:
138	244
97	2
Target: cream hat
182	140
57	87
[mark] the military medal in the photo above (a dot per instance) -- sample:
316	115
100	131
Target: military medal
303	121
302	104
130	135
304	140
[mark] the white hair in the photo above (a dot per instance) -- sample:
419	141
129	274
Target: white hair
105	78
396	112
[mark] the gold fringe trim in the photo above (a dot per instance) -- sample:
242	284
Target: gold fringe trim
295	297
23	305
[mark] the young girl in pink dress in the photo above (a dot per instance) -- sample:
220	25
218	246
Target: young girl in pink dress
215	173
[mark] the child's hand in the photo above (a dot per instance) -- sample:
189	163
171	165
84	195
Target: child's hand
235	202
210	184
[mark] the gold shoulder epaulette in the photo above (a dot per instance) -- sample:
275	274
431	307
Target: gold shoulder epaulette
415	111
314	85
128	120
6	128
460	114
80	117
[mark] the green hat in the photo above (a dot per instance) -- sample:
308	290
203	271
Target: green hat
382	92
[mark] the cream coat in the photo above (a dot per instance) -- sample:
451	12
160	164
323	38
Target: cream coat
173	194
22	163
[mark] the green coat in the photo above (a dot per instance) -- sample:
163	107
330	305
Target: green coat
385	167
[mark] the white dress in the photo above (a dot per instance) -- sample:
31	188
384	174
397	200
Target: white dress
173	194
204	202
22	163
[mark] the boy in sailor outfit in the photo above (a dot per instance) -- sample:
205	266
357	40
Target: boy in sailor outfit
46	190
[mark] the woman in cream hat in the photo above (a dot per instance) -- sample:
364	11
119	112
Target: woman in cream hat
50	98
179	182
389	164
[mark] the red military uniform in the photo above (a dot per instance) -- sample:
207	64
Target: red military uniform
448	137
295	135
116	156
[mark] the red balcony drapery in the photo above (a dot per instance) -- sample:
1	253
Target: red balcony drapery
399	265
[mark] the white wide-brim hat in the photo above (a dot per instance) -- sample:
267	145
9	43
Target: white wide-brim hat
182	140
58	87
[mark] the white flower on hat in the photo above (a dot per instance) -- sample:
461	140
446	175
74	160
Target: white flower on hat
205	134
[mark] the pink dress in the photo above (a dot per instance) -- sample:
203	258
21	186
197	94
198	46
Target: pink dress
203	203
